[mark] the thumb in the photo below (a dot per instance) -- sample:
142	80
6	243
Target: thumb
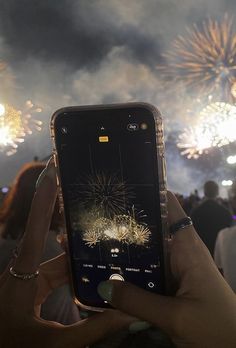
161	311
96	327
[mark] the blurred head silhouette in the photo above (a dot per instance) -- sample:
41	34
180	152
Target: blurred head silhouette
211	189
16	205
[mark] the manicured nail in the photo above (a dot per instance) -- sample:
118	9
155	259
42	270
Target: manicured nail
49	170
139	326
105	290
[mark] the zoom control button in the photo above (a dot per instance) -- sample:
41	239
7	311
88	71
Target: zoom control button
116	276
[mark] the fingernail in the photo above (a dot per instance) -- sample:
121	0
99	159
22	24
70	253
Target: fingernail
139	326
105	290
49	171
40	178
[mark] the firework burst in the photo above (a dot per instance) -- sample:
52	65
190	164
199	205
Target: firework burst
105	194
215	128
122	228
11	129
91	238
101	211
29	112
15	125
205	59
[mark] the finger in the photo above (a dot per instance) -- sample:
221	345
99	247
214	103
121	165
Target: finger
52	274
93	329
175	214
162	311
5	274
38	222
55	271
175	211
187	236
191	262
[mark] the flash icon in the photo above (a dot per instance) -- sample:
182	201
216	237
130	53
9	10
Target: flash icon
64	130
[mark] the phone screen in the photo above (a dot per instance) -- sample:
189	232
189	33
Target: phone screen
109	178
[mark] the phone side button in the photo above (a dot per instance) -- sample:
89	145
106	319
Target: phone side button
55	159
57	180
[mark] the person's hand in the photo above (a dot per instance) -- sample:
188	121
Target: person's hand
20	300
203	312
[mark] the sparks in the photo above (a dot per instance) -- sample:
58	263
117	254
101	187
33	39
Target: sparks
122	228
106	193
215	128
15	125
205	59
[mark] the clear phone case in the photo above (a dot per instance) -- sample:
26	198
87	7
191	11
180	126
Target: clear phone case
161	173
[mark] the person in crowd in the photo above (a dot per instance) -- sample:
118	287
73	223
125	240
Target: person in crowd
225	247
191	202
209	217
196	194
225	254
201	314
232	198
15	209
13	218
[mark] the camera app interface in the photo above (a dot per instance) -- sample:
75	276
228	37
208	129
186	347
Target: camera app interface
109	179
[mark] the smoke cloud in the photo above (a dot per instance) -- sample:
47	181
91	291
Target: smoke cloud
73	52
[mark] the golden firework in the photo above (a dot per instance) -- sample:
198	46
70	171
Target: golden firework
215	127
91	238
11	129
29	122
122	228
204	59
15	124
141	234
104	194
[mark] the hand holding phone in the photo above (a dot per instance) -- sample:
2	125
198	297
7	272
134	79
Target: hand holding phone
203	311
111	170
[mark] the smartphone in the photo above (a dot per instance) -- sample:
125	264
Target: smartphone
111	174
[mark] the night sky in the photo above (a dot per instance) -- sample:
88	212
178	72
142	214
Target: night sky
72	52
